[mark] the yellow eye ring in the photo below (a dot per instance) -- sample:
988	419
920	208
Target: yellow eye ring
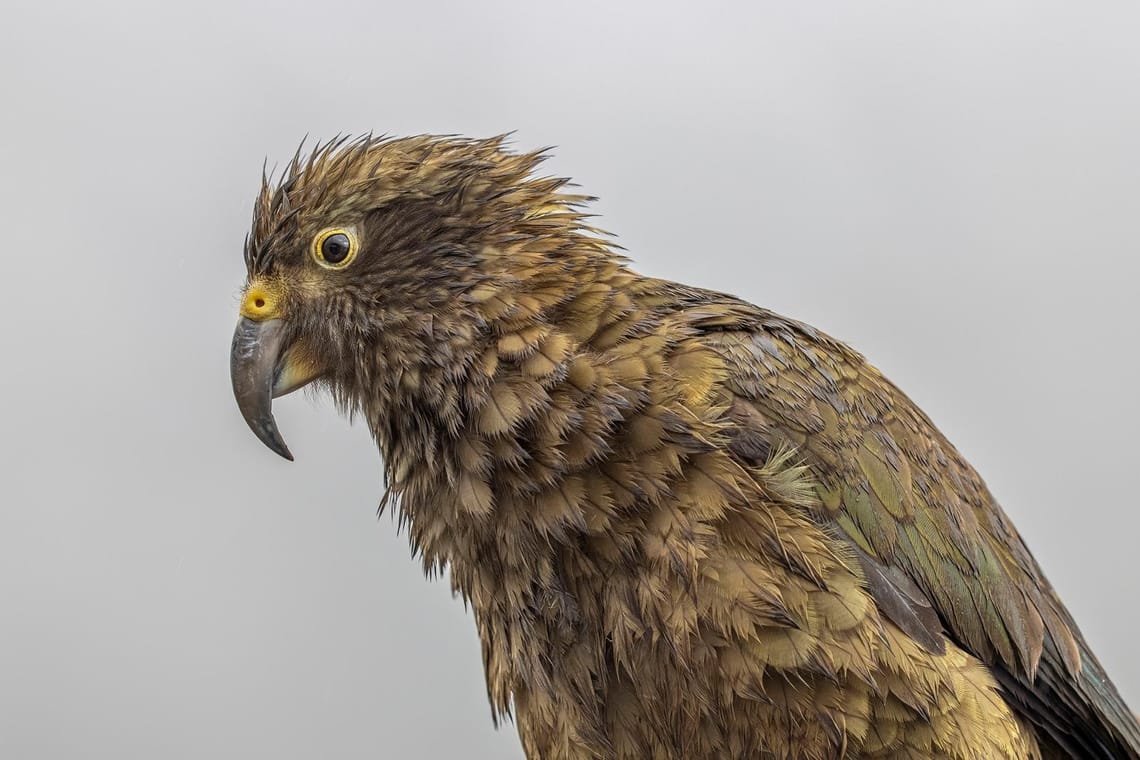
335	247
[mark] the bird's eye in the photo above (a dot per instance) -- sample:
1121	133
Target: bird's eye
335	248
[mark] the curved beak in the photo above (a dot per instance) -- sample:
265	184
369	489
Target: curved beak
262	367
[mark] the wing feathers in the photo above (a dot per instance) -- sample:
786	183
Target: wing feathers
939	554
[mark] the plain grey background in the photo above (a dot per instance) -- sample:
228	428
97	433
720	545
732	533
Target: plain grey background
952	188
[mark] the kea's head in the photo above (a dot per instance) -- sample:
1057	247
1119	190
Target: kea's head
378	266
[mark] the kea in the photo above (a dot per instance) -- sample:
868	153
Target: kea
686	526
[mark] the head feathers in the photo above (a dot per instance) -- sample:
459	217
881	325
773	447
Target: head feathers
352	176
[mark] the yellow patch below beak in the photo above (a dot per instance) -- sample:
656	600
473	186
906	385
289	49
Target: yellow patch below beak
295	370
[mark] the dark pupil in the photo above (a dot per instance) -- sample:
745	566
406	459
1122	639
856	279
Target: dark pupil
335	248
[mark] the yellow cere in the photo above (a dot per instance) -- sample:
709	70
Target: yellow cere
261	301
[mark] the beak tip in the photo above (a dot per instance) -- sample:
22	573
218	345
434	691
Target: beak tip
266	430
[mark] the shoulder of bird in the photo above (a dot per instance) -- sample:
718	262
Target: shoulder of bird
595	453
